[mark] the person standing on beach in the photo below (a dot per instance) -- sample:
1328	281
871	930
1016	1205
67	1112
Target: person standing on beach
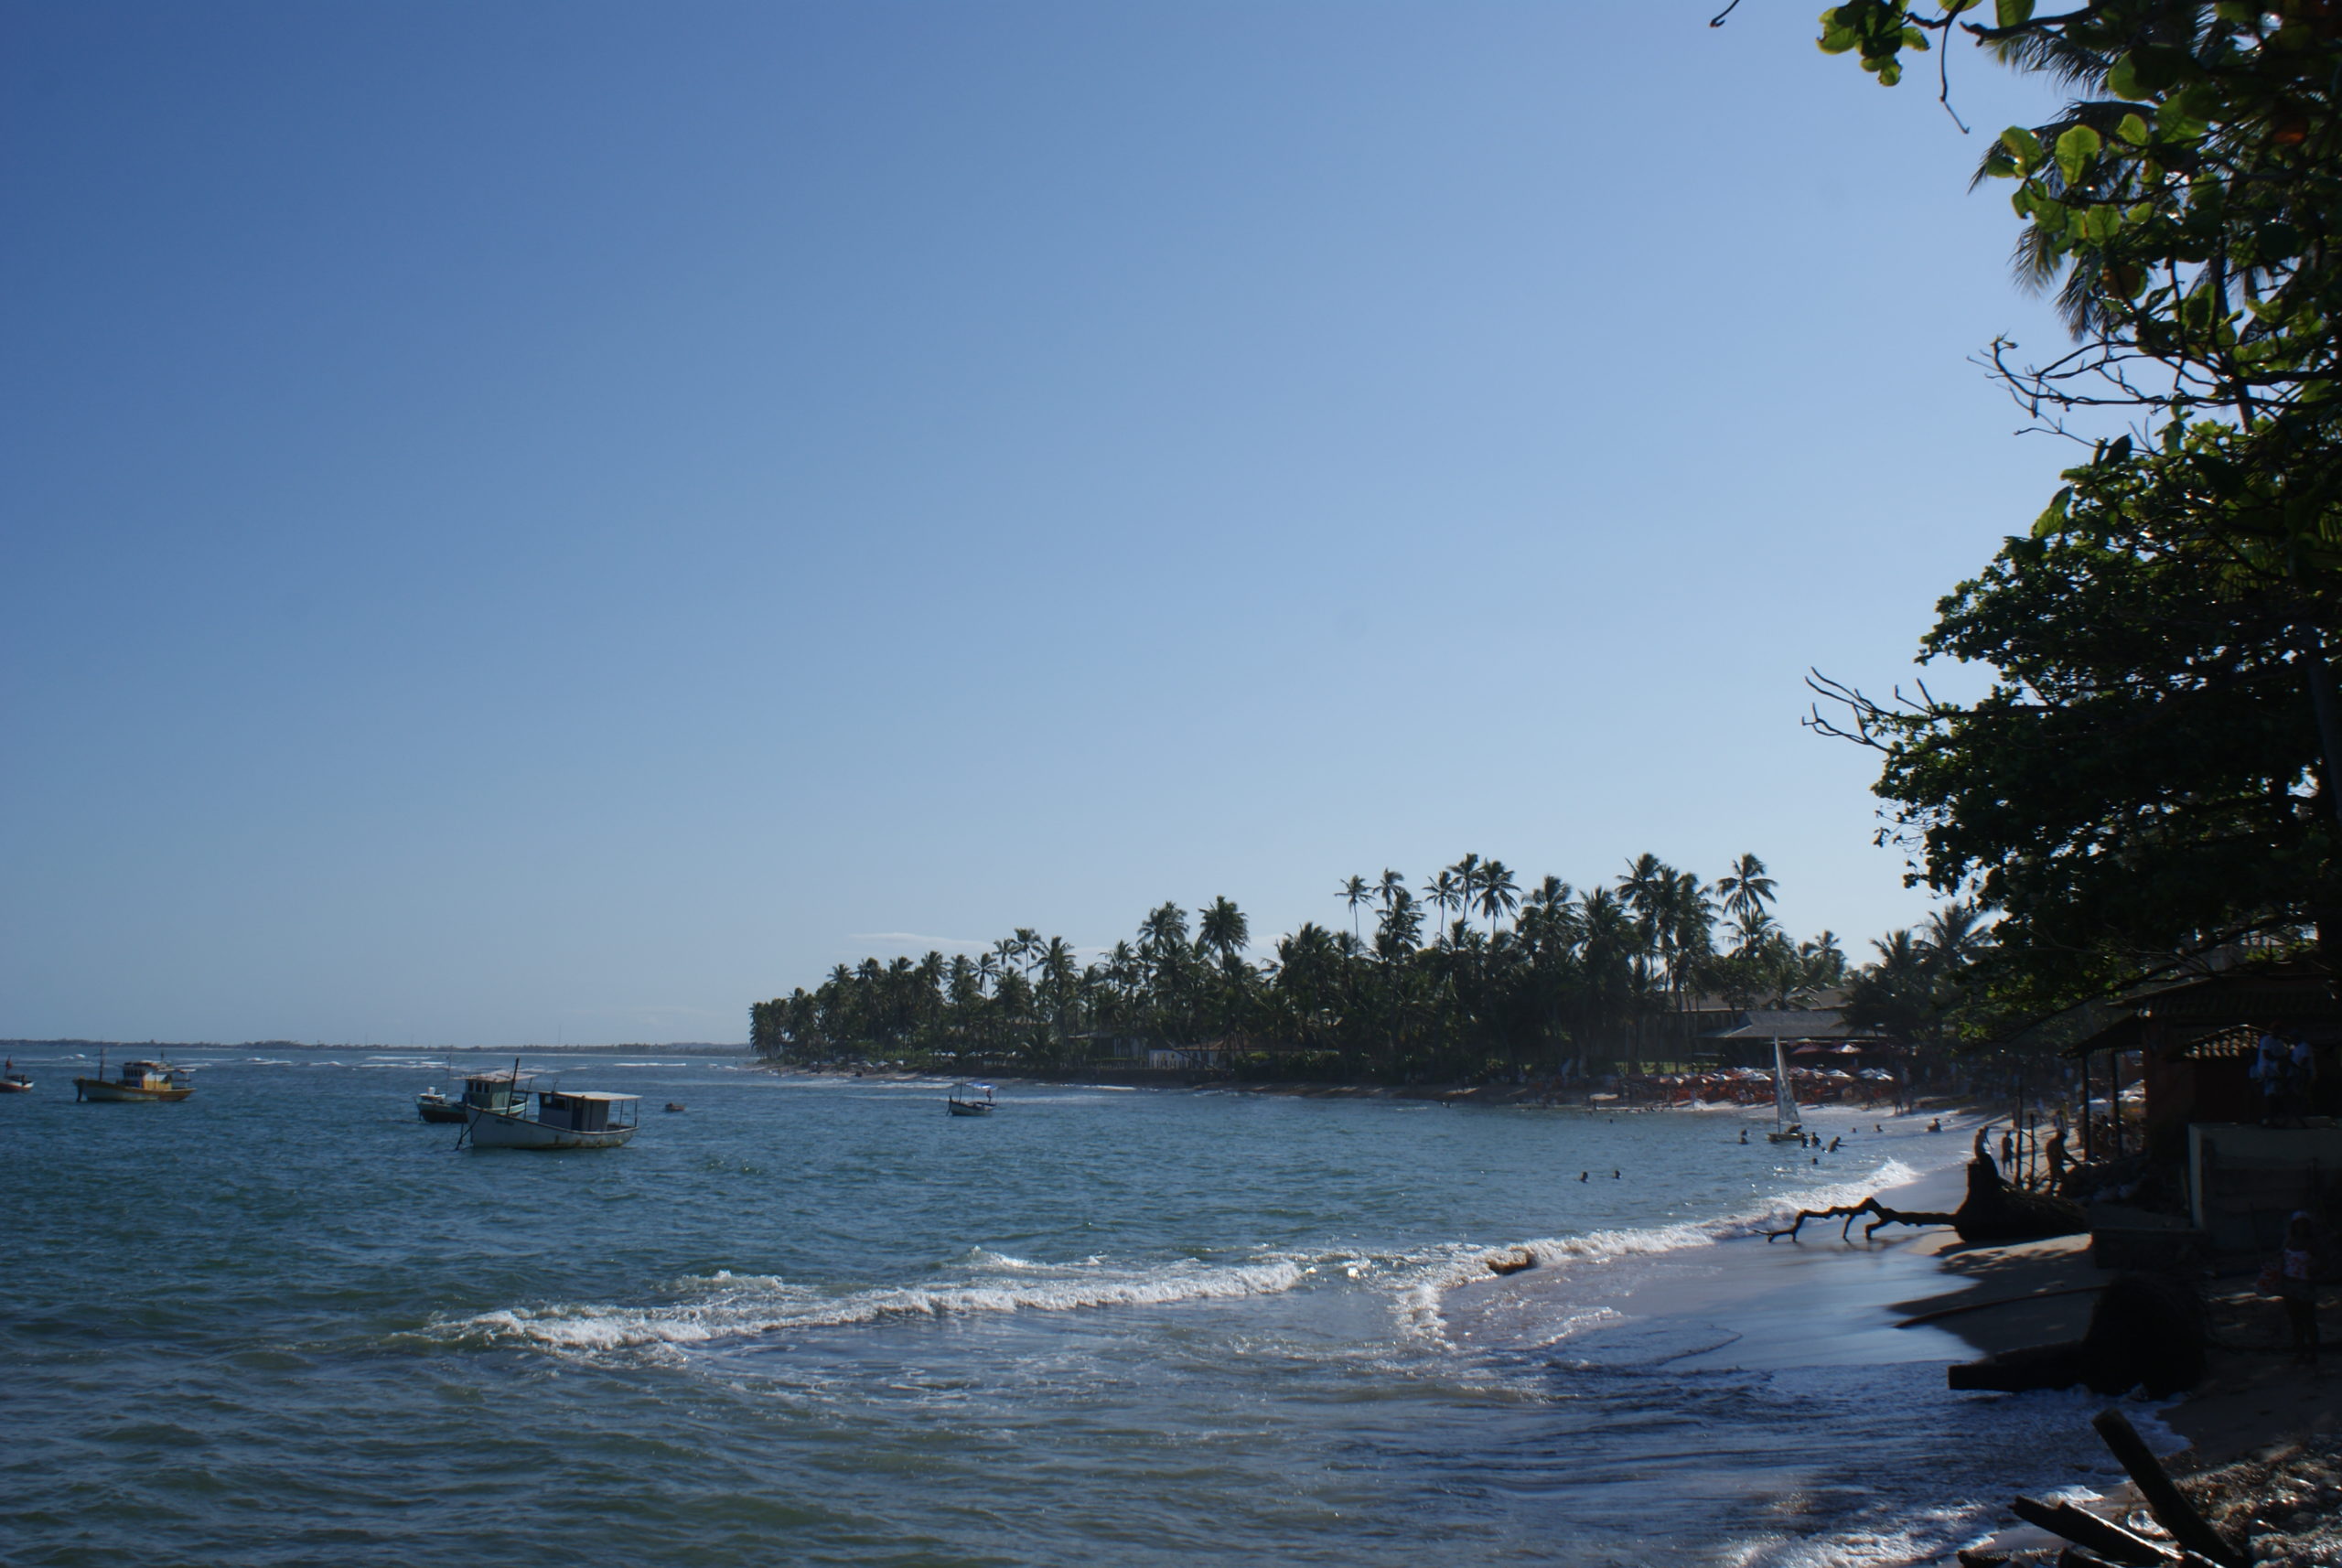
2297	1288
2268	1070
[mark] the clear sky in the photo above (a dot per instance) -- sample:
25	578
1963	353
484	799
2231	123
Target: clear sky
556	520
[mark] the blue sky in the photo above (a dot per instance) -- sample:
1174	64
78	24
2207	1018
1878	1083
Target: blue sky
535	521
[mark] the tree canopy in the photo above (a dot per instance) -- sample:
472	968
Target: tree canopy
1505	978
2154	770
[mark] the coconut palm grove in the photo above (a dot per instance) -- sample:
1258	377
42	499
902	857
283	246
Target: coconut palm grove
1471	975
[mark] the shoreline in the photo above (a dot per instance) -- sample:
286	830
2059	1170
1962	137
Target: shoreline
1926	1296
1894	1310
1530	1096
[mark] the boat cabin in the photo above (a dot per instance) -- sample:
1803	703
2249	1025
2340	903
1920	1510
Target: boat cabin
585	1110
152	1075
504	1091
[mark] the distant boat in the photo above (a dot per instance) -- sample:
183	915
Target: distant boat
12	1081
158	1081
1787	1128
963	1101
564	1119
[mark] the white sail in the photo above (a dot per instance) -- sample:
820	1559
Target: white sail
1784	1101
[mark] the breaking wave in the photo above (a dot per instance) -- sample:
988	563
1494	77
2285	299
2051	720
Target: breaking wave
726	1305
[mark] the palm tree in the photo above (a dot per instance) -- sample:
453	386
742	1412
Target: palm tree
1499	894
1467	881
1354	891
1955	935
1444	893
1223	929
1745	890
1391	885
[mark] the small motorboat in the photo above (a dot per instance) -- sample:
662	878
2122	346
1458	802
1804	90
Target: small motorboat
674	1105
963	1101
157	1082
12	1081
564	1118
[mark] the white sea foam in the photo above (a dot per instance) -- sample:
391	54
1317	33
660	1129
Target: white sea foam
726	1305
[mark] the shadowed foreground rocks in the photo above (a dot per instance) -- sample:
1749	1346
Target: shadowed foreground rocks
2147	1331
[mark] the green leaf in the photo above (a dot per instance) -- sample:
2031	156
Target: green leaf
2279	242
2052	520
2024	145
2076	150
2123	79
2013	13
2134	130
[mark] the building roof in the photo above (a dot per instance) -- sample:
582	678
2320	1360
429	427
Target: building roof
2183	1015
1791	1024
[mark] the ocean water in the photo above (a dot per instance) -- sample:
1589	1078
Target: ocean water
816	1320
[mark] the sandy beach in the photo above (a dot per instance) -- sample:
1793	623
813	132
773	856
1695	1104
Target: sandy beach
1914	1300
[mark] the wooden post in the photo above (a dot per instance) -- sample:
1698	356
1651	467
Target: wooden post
2090	1147
2165	1500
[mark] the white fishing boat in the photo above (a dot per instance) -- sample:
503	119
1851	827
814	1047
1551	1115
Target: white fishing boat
564	1118
157	1082
964	1100
499	1090
12	1081
1787	1127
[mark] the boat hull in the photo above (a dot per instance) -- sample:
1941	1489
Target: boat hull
98	1089
494	1130
16	1086
965	1108
441	1113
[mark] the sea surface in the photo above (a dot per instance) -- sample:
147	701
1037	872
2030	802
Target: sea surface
813	1319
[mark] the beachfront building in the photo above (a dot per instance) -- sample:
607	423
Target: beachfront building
2179	1062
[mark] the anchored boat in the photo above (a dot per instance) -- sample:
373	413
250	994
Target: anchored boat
12	1081
963	1101
499	1090
564	1118
137	1080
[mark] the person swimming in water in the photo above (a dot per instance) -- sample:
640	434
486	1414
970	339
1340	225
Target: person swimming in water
1743	1134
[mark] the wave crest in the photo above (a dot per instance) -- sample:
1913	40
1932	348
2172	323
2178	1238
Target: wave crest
729	1306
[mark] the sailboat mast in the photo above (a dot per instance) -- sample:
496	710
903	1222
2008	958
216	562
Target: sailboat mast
1784	1098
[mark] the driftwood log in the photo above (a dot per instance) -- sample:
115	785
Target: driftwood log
1992	1212
2104	1538
2102	1543
1849	1212
2147	1330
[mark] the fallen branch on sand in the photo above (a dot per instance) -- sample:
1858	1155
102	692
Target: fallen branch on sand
1851	1212
1993	1210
